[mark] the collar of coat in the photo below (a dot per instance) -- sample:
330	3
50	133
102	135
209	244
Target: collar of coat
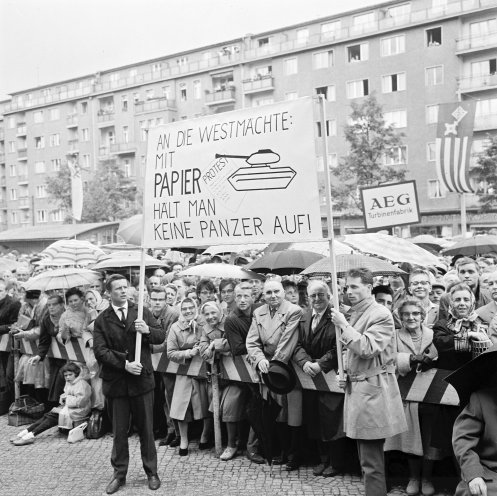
426	338
283	309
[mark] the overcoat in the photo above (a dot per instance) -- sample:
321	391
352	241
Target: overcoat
114	343
373	406
473	440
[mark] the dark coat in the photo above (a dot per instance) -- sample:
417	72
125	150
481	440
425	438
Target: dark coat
47	332
114	343
9	311
236	327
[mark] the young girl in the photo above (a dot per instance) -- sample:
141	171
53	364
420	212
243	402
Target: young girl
77	398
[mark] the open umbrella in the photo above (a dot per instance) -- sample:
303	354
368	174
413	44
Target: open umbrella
390	247
344	263
321	247
474	374
424	240
64	278
222	249
9	264
123	259
220	270
284	262
71	252
473	246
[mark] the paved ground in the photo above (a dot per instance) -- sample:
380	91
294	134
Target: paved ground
52	467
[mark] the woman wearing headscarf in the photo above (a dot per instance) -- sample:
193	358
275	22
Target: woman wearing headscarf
190	399
95	303
74	321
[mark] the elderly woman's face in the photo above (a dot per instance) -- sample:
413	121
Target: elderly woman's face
461	302
411	317
91	301
211	315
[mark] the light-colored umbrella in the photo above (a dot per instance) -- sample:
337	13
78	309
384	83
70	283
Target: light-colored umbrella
284	262
321	247
390	247
473	246
117	247
64	278
9	264
124	259
344	263
220	249
130	230
71	252
220	270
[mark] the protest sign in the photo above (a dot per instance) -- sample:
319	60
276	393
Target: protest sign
390	205
247	176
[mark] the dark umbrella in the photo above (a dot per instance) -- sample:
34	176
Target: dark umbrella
473	246
284	262
474	374
262	415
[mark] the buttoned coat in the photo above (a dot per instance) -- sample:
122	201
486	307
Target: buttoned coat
488	313
273	338
373	406
114	343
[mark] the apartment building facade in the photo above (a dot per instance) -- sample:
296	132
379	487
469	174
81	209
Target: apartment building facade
413	55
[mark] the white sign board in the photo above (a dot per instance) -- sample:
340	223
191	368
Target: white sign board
247	176
390	205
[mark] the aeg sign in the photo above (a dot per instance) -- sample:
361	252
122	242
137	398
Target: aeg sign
390	205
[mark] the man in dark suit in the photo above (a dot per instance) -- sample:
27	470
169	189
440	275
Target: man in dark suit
128	384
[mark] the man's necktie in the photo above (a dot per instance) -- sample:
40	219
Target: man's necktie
123	316
315	322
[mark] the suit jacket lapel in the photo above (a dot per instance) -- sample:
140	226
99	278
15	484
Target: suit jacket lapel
131	317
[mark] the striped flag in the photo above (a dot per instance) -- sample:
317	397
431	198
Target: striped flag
453	145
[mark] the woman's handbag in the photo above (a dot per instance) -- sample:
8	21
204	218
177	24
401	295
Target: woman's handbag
96	428
27	406
77	434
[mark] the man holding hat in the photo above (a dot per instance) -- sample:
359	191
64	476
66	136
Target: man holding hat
271	341
488	312
373	407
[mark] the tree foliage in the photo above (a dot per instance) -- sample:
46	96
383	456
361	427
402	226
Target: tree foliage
370	141
107	196
486	174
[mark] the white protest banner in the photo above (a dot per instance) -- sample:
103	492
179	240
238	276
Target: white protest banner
390	205
247	176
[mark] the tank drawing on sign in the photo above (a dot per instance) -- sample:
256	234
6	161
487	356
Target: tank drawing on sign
262	172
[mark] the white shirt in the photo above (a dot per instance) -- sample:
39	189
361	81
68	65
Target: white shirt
124	306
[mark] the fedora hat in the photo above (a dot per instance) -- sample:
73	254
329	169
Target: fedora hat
280	378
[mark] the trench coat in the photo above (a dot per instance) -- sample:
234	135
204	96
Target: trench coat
373	407
473	440
322	411
410	440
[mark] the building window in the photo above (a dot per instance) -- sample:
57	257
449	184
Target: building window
41	216
484	68
302	36
323	60
396	118
124	103
56	163
482	29
136	97
393	45
399	11
54	114
182	92
85	134
127	168
435	189
143	130
485	113
156	67
182	61
263	42
356	89
55	139
12	146
434	37
258	102
40	142
434	75
13	194
393	82
11	122
331	30
86	161
364	21
133	73
38	117
12	170
291	66
291	95
431	114
329	92
125	134
150	94
356	53
397	156
166	92
431	154
331	128
40	167
197	89
14	218
84	107
41	191
57	215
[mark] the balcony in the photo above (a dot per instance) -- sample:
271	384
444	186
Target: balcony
22	179
72	120
258	84
3	181
122	148
220	97
485	122
3	204
73	147
478	83
22	130
22	153
103	151
2	158
24	202
105	117
2	135
476	43
154	105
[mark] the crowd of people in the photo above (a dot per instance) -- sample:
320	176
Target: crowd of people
427	317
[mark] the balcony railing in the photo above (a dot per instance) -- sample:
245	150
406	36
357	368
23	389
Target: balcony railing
3	203
478	83
3	181
24	202
123	148
153	105
220	97
485	122
22	153
257	84
103	151
22	130
2	135
73	145
105	116
2	158
72	120
22	179
476	42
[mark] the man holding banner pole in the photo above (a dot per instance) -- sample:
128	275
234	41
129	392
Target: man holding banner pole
373	407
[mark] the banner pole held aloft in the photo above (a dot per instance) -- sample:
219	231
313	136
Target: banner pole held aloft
331	234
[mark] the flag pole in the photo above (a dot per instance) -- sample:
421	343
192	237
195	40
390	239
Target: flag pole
463	214
331	234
